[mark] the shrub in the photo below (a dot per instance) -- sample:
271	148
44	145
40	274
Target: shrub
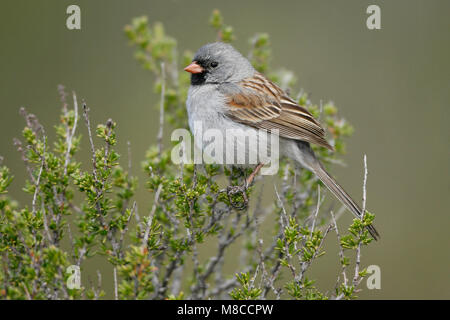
78	214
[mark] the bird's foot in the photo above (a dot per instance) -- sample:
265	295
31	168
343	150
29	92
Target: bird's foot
232	191
242	189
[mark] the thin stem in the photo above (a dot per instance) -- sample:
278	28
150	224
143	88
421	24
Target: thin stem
161	108
356	277
116	293
317	209
71	134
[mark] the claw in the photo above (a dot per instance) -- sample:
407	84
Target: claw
232	190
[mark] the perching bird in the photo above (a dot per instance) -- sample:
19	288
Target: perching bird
227	92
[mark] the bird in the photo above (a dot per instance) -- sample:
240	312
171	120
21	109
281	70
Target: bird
227	92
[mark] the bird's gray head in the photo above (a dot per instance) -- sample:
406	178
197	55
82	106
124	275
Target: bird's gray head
219	62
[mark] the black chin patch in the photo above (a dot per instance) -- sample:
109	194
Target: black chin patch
198	78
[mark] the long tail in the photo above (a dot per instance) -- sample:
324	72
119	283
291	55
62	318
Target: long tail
340	193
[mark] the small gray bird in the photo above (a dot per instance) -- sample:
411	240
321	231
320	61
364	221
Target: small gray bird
227	92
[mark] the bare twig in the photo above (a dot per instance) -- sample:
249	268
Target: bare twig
341	254
91	141
364	189
267	279
150	217
19	146
99	285
284	222
356	277
116	293
37	184
161	108
284	216
306	264
47	230
71	134
317	209
124	231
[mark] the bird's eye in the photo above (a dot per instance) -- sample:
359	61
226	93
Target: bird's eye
214	64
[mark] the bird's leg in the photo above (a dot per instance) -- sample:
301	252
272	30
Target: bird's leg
232	190
251	177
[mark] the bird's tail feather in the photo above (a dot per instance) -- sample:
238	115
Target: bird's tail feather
340	193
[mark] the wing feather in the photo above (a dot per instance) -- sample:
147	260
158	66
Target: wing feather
260	103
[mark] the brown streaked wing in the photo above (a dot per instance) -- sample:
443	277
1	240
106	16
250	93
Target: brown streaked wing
262	104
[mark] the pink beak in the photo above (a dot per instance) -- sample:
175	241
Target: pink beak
194	67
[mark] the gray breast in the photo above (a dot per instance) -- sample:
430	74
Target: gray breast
205	105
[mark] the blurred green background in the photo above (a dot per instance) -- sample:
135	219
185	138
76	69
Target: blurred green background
392	84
